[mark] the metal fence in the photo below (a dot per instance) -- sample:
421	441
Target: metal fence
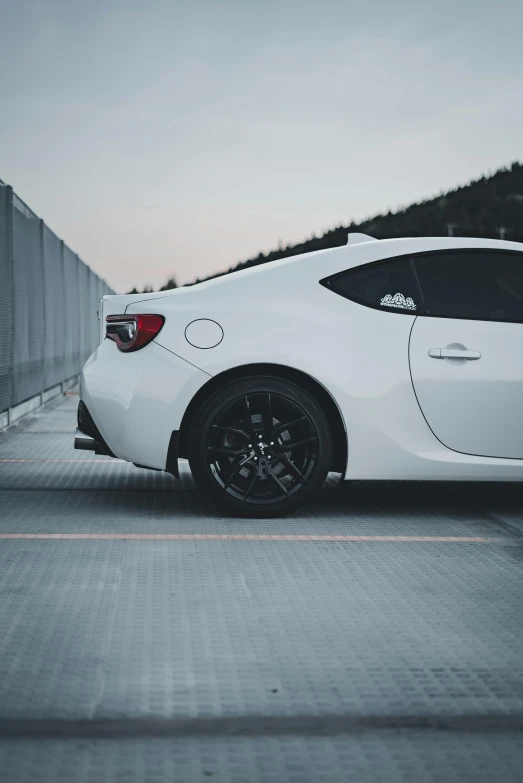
48	303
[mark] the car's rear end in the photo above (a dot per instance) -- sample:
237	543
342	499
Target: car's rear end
133	391
235	372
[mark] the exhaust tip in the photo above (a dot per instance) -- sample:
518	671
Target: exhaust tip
84	442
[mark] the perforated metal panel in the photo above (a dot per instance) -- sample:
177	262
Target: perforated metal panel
28	302
48	300
55	295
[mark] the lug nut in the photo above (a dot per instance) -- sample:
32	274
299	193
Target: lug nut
272	443
255	459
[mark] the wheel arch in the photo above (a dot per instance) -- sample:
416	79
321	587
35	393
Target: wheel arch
306	381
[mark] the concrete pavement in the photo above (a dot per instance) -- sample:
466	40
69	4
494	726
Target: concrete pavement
376	635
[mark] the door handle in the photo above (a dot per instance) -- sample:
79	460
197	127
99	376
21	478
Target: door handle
453	353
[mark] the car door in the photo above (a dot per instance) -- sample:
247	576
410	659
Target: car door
466	350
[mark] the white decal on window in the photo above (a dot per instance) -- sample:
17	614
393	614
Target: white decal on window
398	300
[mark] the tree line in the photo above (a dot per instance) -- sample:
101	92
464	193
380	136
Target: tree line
490	207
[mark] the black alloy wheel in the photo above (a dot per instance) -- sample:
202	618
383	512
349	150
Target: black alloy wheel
260	446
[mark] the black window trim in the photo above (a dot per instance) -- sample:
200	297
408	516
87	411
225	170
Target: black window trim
326	282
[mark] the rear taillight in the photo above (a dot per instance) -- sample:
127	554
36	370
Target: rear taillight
132	332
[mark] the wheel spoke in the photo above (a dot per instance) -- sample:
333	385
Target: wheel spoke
234	430
248	420
235	472
250	488
292	467
283	427
225	450
278	482
267	412
296	444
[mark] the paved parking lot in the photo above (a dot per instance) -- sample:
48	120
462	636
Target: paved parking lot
376	635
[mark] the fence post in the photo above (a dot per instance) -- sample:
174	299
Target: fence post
45	351
9	222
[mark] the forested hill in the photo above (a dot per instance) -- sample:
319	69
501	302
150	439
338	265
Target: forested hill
487	207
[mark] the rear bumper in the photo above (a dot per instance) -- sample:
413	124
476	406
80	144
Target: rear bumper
135	401
88	437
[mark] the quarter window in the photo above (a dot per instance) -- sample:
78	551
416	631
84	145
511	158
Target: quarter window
390	286
478	285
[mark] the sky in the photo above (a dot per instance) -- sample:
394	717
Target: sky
177	138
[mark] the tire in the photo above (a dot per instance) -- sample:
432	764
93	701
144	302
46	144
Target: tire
260	446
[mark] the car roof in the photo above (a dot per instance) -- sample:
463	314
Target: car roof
322	263
292	273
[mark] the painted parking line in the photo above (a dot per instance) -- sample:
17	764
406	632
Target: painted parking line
98	461
242	537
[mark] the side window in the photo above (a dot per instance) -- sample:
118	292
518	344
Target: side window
480	285
389	286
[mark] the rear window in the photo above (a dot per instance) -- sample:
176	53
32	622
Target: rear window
389	286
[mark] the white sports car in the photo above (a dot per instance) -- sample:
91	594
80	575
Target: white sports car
391	359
